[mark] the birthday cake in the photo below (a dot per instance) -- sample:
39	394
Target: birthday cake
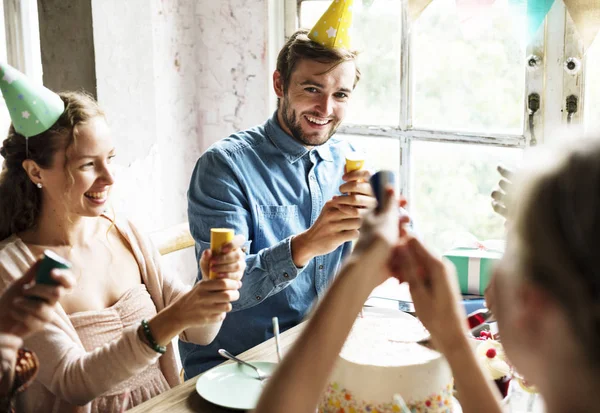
381	366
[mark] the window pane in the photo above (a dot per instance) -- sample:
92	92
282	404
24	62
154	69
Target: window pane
376	35
469	76
592	89
450	191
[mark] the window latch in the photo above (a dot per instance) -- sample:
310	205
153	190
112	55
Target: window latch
571	107
533	105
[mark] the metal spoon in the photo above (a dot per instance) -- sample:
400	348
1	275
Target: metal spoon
261	374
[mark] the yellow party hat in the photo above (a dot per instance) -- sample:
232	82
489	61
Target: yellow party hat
332	29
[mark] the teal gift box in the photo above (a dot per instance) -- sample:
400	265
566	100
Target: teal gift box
474	267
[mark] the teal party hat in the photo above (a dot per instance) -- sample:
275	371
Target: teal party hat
33	108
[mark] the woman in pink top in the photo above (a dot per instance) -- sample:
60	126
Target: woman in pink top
109	344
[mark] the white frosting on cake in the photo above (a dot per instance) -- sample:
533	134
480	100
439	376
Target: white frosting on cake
494	362
381	358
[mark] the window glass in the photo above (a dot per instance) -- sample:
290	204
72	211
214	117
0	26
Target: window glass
468	70
450	191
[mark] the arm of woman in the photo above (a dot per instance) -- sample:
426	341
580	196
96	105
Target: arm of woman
230	264
434	291
194	313
302	376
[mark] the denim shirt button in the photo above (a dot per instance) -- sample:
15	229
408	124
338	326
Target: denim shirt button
258	297
321	267
286	275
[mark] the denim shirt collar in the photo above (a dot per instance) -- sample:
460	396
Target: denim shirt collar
289	147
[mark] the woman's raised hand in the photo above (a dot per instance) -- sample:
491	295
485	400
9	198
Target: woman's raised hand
26	306
434	290
230	263
210	299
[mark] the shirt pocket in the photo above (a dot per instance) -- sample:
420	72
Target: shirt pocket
276	223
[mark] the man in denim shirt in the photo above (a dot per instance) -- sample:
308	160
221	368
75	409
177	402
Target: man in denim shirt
280	184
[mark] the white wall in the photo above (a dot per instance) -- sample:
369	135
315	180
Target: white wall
174	77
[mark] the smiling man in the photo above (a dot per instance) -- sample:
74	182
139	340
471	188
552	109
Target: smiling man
283	185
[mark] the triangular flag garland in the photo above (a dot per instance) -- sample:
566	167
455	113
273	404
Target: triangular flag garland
333	28
586	16
536	13
33	108
416	7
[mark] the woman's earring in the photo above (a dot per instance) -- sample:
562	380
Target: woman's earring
39	185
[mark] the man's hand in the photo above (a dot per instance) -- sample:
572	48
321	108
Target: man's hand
338	223
499	194
339	220
358	189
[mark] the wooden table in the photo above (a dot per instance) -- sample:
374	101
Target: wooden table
184	399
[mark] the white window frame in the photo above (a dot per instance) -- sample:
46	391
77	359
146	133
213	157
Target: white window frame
555	43
22	36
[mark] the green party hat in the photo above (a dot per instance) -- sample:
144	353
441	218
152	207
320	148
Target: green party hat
33	108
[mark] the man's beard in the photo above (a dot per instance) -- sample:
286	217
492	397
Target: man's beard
293	123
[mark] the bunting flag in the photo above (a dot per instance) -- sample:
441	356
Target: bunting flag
536	13
469	10
416	7
586	16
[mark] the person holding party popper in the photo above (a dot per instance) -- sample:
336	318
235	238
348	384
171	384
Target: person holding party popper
26	306
107	346
280	185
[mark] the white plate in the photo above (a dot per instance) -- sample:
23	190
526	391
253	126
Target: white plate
233	385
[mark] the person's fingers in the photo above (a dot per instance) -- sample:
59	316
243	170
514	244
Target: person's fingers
220	297
356	187
504	184
344	211
226	268
357	200
48	293
346	224
237	275
237	242
505	172
389	200
403	221
404	263
29	275
63	278
235	255
500	208
219	284
423	256
357	175
498	195
35	308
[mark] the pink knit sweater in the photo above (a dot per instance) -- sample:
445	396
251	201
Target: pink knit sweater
69	377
